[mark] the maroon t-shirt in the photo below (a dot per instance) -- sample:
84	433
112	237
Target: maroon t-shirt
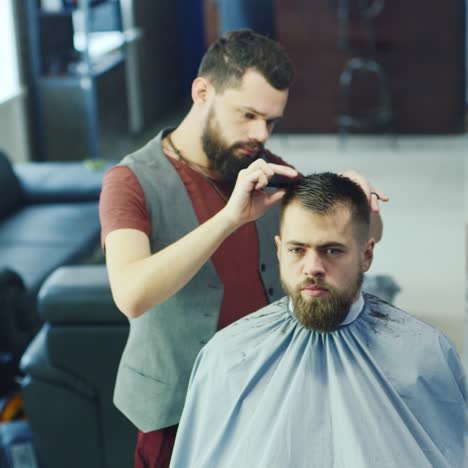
122	206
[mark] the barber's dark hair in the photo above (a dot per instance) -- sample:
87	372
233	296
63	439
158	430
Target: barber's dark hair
230	56
322	192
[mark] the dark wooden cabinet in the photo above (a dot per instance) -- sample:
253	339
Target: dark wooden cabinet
419	43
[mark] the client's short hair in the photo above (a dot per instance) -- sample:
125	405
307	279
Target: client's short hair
322	192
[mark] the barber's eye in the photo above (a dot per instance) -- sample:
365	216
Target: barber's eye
333	251
249	115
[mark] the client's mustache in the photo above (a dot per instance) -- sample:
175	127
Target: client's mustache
314	282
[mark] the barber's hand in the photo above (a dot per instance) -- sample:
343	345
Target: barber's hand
373	194
248	200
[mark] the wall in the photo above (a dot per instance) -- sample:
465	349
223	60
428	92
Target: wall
420	45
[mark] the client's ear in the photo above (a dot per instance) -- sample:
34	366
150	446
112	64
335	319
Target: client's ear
368	254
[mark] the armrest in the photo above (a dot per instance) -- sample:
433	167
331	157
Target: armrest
35	363
80	295
55	182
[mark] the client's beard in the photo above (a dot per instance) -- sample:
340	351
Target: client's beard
323	314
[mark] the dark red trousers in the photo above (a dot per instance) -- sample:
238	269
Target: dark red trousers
154	449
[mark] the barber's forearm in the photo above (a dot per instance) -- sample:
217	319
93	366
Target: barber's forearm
140	281
144	283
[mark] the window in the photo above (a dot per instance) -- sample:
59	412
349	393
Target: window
9	78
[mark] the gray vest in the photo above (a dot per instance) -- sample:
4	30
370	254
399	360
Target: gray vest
163	343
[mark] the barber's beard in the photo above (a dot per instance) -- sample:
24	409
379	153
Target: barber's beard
323	314
223	156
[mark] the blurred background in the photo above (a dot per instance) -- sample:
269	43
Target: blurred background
381	87
117	68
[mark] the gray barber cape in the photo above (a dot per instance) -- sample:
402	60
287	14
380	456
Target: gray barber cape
384	390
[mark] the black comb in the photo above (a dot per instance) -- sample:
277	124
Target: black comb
278	181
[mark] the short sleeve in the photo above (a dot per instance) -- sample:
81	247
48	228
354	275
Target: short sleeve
122	203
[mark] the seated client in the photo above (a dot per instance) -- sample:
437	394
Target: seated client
328	376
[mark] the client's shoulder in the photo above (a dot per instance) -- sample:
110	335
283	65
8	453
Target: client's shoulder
384	314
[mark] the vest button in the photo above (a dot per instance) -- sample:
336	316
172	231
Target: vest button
271	291
262	267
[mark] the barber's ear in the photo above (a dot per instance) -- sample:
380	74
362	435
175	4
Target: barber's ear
278	246
368	255
202	90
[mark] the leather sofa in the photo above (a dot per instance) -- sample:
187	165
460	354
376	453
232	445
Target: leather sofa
70	370
48	218
71	365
